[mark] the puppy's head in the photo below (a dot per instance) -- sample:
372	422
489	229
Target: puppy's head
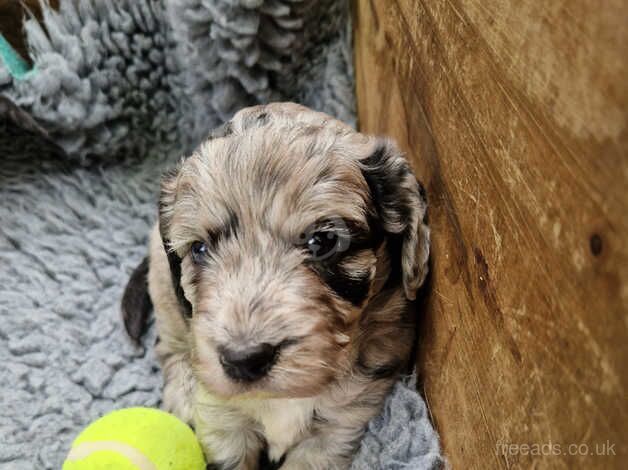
280	229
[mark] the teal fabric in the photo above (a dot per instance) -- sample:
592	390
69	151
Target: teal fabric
18	67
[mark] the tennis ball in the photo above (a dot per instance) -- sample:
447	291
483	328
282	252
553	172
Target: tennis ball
136	439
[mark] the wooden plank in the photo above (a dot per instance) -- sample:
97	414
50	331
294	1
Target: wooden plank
514	113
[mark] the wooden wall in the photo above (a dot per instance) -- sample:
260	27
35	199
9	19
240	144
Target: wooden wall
514	114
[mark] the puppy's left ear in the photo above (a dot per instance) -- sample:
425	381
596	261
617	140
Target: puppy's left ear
401	207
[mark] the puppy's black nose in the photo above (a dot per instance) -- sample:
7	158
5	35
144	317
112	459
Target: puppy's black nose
249	364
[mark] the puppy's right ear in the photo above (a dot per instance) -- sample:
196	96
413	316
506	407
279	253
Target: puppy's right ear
167	200
401	206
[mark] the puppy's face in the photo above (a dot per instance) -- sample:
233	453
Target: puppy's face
280	229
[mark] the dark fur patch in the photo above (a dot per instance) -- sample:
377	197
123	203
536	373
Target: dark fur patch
256	120
318	419
222	131
262	119
225	232
174	261
383	174
348	286
266	464
175	272
345	284
136	303
380	371
170	174
383	179
393	247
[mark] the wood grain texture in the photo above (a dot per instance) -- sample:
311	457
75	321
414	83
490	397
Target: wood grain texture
514	113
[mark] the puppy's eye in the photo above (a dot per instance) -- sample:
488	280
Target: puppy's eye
199	250
322	245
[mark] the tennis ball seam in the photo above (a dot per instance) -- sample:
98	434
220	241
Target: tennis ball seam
134	456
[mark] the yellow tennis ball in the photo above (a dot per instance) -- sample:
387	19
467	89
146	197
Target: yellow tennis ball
136	439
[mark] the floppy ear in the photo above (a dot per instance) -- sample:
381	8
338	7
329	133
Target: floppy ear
136	304
167	199
401	207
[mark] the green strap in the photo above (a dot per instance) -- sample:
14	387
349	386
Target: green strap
17	66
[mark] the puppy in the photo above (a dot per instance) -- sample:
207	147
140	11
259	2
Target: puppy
281	270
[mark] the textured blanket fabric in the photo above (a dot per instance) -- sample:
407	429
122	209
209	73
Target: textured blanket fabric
119	90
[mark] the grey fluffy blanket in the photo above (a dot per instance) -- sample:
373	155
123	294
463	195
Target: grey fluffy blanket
119	89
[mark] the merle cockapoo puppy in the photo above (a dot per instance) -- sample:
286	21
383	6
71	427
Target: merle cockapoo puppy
281	270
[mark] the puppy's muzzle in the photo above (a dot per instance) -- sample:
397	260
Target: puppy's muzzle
250	364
